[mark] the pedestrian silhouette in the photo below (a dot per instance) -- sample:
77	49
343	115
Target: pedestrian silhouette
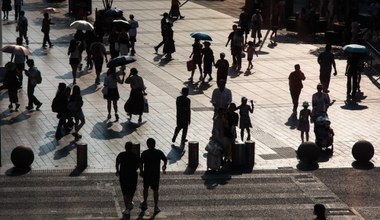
183	115
150	171
295	85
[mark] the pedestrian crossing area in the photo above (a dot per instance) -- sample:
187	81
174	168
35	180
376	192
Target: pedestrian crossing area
277	195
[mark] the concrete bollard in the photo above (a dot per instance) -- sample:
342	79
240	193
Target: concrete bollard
250	150
193	154
136	149
81	155
239	154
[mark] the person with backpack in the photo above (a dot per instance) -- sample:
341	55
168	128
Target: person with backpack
34	78
59	106
98	54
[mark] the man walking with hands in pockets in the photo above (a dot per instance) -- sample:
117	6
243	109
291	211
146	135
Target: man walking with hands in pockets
150	171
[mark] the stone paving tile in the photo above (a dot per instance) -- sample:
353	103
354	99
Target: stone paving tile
267	86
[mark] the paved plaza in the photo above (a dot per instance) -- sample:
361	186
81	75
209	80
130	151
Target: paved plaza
273	190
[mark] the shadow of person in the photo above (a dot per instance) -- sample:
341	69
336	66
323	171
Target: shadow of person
213	179
248	72
158	57
46	148
353	105
164	61
18	118
90	89
175	153
292	121
63	152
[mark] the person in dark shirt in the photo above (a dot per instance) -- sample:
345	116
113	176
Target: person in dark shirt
164	22
326	60
150	171
127	164
295	85
183	115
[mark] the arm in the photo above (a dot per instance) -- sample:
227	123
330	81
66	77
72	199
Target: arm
334	65
251	107
117	166
165	160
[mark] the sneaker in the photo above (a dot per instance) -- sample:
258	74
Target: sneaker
29	108
130	206
109	116
157	210
126	212
156	49
181	17
143	205
10	106
17	106
117	117
38	106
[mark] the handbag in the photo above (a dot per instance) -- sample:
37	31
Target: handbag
190	65
146	105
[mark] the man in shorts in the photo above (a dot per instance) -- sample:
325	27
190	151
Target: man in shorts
150	171
127	163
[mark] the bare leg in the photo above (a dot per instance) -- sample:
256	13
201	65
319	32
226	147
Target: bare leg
242	134
307	136
248	135
155	198
302	137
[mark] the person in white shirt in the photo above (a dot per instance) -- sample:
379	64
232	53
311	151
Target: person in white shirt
221	96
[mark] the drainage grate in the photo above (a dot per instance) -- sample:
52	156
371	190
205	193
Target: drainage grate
53	171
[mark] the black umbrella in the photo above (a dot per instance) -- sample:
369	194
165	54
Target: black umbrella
120	60
113	13
121	24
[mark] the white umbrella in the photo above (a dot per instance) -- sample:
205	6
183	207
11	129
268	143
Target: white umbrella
82	25
49	10
16	50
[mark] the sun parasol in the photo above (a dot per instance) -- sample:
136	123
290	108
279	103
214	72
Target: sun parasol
16	50
82	25
120	60
200	36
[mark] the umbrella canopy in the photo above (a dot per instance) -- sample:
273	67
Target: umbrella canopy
121	24
16	50
82	25
355	48
200	36
114	13
49	10
120	60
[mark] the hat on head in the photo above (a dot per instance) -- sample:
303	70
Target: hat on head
305	104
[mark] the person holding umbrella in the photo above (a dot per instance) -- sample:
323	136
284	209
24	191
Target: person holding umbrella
196	54
46	22
112	95
135	102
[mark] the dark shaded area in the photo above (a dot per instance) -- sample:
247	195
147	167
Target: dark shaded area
292	121
14	171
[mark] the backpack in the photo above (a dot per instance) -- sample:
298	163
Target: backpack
39	77
55	105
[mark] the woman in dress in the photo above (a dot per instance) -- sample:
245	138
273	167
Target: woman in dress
77	111
74	54
112	94
135	102
197	58
245	120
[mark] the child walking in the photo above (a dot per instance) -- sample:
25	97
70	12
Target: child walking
250	51
303	121
245	120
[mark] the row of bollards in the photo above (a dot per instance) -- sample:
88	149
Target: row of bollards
243	154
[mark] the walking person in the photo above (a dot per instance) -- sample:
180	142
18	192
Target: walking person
59	106
19	60
222	66
112	96
46	22
244	24
79	36
6	7
75	108
135	102
34	78
150	171
113	43
352	75
74	60
320	102
256	23
250	52
123	43
230	133
326	60
303	121
196	55
18	4
237	47
127	164
183	115
164	22
295	86
132	33
174	10
12	83
98	55
208	60
22	27
230	39
89	38
245	120
169	46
